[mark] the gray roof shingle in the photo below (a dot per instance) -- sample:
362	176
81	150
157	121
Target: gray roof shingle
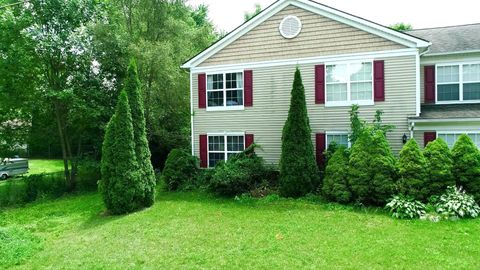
451	111
451	39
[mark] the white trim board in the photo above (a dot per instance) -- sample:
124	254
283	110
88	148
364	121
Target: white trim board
337	15
309	60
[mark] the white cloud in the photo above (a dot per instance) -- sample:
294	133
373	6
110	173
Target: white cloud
228	14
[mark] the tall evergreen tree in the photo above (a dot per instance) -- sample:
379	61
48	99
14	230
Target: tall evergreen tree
412	171
120	186
147	175
439	167
299	173
466	165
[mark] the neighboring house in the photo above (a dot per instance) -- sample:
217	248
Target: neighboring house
240	86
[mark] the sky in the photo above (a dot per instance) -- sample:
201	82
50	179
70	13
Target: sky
228	14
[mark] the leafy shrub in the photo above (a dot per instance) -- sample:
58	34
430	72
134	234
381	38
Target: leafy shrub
405	207
335	183
180	170
455	203
88	175
299	173
12	192
371	172
466	165
439	168
38	186
412	171
240	174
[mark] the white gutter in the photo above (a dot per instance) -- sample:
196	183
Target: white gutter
443	120
191	114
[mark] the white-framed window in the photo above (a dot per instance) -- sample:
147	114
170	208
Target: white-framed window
222	146
450	137
349	83
225	91
458	82
340	138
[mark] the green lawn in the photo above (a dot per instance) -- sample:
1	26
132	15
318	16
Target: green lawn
45	166
198	231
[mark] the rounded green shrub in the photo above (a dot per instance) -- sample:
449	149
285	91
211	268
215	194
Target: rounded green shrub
371	168
299	173
335	183
466	165
439	168
412	171
180	170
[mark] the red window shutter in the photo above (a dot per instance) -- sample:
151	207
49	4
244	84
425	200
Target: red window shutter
429	137
320	148
379	80
320	84
248	87
202	91
249	139
203	151
429	84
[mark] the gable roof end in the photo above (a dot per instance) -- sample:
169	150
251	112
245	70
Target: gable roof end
320	9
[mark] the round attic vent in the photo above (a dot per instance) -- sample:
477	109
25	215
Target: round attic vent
290	26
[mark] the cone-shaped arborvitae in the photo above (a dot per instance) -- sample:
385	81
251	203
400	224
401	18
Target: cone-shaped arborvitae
412	171
439	167
466	165
120	185
299	173
335	184
142	150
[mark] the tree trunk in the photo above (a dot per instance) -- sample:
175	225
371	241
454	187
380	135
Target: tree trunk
59	121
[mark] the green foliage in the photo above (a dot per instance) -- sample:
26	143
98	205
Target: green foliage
335	183
402	27
39	186
405	207
142	151
121	187
412	171
180	170
249	15
358	126
299	173
466	165
242	173
439	167
371	168
89	173
455	203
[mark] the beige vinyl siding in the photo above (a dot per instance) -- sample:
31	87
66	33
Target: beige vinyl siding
442	59
320	36
271	101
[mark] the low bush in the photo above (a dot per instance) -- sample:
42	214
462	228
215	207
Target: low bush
39	186
180	170
88	175
456	203
466	165
404	207
439	168
412	171
12	192
241	174
335	182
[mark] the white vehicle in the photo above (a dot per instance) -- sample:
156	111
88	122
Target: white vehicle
13	166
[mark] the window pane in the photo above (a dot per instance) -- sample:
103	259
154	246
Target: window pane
216	143
337	73
471	73
337	92
475	138
361	91
214	158
215	98
215	81
448	92
361	72
235	143
234	80
234	97
448	138
448	74
471	91
340	139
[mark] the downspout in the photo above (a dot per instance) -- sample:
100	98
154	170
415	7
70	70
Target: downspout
191	114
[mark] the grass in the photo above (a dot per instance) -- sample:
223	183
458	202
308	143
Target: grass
198	231
38	166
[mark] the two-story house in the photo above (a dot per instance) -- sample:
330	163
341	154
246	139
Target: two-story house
425	81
